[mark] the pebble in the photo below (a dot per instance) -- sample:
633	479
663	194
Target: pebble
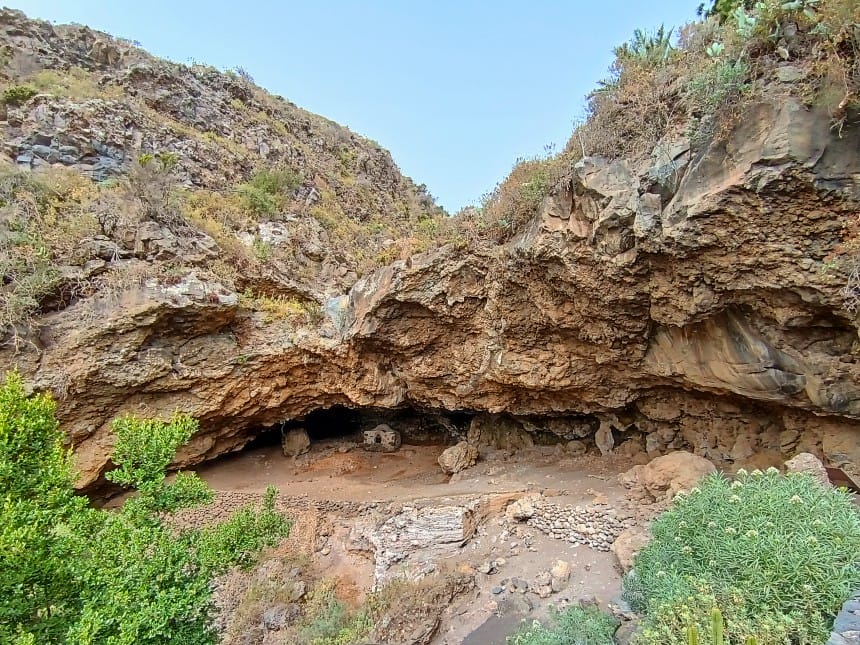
593	526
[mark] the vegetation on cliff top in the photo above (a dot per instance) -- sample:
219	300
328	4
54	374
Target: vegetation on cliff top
694	83
328	208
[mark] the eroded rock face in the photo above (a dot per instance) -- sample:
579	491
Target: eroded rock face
688	310
411	543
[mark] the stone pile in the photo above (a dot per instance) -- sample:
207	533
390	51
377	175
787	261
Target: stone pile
545	583
595	526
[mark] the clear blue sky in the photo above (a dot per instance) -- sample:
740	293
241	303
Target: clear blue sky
457	90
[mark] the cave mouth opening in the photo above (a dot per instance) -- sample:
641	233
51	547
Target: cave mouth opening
417	426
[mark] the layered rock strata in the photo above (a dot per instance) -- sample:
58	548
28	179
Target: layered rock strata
689	302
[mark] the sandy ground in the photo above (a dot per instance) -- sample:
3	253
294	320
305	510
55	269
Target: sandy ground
339	471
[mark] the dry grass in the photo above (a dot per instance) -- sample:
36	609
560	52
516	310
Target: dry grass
512	203
76	83
280	308
43	219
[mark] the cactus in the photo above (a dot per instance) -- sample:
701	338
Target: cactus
692	635
716	627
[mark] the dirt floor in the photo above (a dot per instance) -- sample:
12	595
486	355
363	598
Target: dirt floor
329	489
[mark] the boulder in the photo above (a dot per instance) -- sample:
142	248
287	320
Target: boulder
576	448
560	574
458	457
628	543
295	442
542	585
806	462
663	477
521	509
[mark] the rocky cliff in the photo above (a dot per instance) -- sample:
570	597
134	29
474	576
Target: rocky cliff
683	301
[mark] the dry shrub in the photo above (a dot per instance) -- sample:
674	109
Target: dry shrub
152	184
243	597
840	66
627	117
280	308
513	202
123	277
43	219
402	607
219	216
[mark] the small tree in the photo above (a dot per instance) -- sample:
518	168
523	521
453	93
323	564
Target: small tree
38	510
72	574
152	183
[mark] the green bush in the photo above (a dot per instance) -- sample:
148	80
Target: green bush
38	581
777	554
267	190
73	574
716	87
711	92
257	201
573	626
653	49
275	181
330	621
17	94
725	8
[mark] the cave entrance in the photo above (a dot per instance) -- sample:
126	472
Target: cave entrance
415	426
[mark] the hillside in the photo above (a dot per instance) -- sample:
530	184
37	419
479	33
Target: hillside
224	178
584	295
472	418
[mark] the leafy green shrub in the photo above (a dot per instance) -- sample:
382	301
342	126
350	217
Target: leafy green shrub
37	579
143	450
257	201
267	190
73	574
262	249
275	181
331	621
712	92
238	540
651	48
573	626
17	94
777	554
716	86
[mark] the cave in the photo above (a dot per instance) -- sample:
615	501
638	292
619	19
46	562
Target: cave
417	426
